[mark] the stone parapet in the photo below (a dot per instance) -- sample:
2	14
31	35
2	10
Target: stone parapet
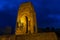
37	36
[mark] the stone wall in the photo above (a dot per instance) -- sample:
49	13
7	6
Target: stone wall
7	37
38	36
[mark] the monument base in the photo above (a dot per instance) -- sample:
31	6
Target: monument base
36	36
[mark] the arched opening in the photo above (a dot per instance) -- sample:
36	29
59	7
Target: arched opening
26	24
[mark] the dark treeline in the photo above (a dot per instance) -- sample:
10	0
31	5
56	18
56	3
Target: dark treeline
6	31
47	29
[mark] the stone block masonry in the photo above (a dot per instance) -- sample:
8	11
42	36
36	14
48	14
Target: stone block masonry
38	36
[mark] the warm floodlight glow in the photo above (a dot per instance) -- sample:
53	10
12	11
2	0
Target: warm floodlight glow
27	17
22	19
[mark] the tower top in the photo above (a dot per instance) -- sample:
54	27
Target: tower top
26	5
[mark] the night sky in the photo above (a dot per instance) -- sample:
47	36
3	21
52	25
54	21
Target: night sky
47	12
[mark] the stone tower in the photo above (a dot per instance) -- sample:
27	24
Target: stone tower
26	19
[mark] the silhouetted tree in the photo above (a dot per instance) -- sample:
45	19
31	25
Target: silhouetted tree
39	30
47	29
7	30
52	29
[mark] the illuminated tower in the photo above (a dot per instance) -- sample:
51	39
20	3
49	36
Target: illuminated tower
26	19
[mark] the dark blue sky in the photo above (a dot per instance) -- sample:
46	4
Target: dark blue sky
47	12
